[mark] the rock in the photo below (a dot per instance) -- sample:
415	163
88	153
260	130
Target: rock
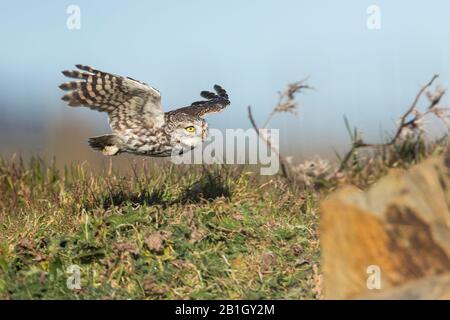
268	260
395	234
155	241
429	288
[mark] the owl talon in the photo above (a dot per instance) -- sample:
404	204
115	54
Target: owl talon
110	150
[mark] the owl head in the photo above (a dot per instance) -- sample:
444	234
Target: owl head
187	131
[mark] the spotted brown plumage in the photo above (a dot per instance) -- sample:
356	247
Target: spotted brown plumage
215	102
136	117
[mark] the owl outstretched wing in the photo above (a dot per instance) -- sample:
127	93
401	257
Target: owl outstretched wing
123	98
215	102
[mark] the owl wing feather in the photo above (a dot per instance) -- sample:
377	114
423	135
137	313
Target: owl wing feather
123	98
215	102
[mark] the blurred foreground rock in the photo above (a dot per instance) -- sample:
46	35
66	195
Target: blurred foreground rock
391	242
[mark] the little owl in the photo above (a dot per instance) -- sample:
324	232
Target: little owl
137	120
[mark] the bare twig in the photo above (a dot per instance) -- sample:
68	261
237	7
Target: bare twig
286	103
414	123
283	163
413	106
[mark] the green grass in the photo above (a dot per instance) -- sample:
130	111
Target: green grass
161	232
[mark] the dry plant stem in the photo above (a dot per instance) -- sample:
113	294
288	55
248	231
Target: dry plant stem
403	124
280	98
283	163
269	118
286	99
286	103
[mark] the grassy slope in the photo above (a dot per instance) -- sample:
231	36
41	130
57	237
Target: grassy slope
160	233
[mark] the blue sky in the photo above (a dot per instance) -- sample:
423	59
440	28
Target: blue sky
252	48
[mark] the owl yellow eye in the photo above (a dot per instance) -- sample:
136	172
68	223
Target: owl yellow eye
190	129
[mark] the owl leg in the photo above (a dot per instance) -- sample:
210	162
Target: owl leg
110	150
108	144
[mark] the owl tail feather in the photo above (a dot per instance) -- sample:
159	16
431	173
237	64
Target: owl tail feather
108	144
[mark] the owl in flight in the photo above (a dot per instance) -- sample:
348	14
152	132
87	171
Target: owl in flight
139	124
